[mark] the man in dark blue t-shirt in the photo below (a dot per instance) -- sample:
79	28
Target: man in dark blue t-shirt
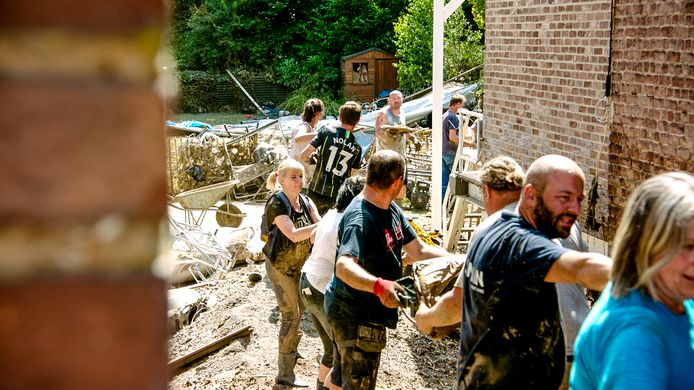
362	299
449	138
339	156
511	333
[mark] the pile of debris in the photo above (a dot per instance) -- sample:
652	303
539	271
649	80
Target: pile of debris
198	157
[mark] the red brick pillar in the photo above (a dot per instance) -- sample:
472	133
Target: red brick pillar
82	193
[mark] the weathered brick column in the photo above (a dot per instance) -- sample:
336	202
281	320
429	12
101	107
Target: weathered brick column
545	66
81	195
653	95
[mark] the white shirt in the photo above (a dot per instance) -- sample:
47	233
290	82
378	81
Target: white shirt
320	264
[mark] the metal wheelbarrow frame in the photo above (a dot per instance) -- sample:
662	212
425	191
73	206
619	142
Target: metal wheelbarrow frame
200	200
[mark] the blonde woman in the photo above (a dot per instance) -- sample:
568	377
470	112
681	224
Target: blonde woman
637	335
295	216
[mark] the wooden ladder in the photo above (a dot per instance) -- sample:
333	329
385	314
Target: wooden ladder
463	202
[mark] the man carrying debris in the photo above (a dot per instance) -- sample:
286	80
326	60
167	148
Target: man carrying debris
511	335
362	299
502	180
339	156
389	139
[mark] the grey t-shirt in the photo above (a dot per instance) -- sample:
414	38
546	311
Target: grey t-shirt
396	142
573	306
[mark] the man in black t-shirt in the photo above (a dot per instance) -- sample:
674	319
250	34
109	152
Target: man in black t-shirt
510	336
362	298
339	157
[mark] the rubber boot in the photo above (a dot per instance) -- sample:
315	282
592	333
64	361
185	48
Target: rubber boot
286	375
295	345
320	385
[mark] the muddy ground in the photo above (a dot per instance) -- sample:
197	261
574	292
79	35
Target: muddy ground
410	360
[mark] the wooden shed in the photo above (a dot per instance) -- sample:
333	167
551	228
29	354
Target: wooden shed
367	73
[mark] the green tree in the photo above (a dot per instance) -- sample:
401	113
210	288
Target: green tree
241	33
299	41
478	11
414	41
338	28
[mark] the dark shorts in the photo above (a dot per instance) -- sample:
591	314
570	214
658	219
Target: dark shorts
323	203
356	354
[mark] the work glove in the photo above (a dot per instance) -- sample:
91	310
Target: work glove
388	293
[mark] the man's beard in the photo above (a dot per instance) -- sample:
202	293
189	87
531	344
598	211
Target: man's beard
548	223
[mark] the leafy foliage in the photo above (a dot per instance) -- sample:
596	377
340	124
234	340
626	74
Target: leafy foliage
414	37
295	102
301	41
478	11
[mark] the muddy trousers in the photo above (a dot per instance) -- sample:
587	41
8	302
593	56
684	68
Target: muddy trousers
286	289
313	301
357	354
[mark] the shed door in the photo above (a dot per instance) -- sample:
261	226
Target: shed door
386	76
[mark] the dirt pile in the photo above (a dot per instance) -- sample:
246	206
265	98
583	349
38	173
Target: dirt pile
410	360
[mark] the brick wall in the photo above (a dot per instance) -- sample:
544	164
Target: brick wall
545	69
653	95
82	195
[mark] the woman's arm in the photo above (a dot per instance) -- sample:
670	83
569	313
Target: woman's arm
294	234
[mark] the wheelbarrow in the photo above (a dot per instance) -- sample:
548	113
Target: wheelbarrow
203	199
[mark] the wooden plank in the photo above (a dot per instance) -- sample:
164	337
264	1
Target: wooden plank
176	365
456	223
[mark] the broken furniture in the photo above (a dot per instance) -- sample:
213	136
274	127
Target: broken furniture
198	251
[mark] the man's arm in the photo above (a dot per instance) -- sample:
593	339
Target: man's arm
447	311
349	271
418	250
380	121
453	136
307	152
591	270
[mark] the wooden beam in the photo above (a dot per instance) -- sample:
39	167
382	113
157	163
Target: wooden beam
176	365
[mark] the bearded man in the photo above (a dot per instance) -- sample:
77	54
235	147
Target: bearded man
511	333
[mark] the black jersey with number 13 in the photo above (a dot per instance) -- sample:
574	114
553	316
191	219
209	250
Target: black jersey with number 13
338	154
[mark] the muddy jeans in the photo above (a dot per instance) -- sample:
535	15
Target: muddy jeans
313	300
356	354
286	289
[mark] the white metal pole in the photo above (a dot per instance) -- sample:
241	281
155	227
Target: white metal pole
441	13
436	109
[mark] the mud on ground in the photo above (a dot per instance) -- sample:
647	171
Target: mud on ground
409	361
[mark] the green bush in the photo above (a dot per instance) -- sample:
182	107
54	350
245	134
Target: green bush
295	102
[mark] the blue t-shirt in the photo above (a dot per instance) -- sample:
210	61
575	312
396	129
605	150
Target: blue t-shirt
510	334
450	122
374	236
633	342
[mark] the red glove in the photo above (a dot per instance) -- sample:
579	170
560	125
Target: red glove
386	291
